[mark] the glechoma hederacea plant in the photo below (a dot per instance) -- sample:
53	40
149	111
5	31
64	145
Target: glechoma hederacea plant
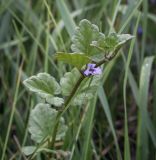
91	49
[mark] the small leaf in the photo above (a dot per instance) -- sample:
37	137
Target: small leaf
106	44
84	35
84	92
123	38
76	59
87	90
81	98
111	43
46	87
41	123
28	150
68	81
56	101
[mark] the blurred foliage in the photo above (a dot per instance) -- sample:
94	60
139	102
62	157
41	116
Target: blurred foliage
31	32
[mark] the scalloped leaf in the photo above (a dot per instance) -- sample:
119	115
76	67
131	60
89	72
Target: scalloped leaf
44	85
111	43
41	123
76	59
85	33
84	92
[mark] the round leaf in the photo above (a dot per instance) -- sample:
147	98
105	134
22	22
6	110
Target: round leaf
41	123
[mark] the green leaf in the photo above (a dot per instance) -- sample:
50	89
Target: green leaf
56	101
45	86
111	43
105	105
84	35
28	150
76	59
68	81
145	125
41	123
86	89
123	38
106	44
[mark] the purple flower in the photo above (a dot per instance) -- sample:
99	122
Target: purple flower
140	31
92	70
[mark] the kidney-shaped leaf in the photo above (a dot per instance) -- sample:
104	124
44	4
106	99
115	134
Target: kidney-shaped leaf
76	59
46	87
85	33
41	123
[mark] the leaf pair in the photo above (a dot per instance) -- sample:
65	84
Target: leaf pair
47	87
89	44
43	117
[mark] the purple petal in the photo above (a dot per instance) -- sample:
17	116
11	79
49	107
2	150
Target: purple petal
87	72
92	70
97	71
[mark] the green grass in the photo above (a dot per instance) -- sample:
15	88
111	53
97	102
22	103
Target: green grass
119	123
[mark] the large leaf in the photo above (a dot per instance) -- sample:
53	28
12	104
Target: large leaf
46	87
41	123
84	35
86	89
76	59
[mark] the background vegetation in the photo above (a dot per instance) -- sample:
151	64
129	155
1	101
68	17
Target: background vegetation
121	119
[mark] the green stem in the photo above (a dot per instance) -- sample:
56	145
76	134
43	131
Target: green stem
107	58
66	106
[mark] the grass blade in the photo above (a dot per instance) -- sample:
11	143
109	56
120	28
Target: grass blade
127	145
12	113
105	105
143	119
68	21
